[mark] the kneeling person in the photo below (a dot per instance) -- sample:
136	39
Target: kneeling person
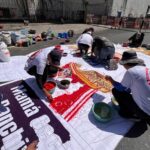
103	49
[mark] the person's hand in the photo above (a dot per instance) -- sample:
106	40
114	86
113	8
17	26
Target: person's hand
49	97
109	78
33	145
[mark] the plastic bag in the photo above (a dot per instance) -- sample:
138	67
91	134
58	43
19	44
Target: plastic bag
4	53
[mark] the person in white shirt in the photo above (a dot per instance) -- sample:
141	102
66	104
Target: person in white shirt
42	64
133	93
85	41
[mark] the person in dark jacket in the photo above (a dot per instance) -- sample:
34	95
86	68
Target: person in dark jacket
136	39
103	49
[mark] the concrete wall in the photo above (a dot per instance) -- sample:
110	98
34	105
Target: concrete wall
137	8
7	3
69	9
133	8
10	9
50	9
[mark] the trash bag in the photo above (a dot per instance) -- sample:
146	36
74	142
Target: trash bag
24	32
16	36
4	53
6	37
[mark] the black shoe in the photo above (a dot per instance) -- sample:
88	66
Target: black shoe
135	119
130	117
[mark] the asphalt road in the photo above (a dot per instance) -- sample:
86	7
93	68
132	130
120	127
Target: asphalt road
139	136
117	36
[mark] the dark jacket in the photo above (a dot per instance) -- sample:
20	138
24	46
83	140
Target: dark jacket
101	42
136	40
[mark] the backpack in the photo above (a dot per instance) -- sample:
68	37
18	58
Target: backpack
70	33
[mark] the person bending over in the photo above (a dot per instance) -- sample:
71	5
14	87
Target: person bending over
85	41
43	64
103	49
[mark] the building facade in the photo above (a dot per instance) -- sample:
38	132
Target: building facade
71	10
130	8
13	9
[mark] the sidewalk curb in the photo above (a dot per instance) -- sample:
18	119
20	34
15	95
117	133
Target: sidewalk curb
124	29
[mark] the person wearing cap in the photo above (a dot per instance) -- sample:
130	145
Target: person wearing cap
42	64
136	39
85	41
133	93
103	49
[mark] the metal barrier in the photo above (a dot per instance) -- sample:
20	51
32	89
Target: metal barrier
116	22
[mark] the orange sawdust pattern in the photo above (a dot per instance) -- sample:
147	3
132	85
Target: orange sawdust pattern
73	47
92	78
141	49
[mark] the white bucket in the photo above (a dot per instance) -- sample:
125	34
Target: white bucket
4	53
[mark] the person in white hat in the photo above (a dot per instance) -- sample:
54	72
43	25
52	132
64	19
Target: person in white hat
133	93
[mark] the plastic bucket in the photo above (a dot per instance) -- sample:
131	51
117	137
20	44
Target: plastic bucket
102	112
50	86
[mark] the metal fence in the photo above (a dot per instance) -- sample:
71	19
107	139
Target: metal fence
126	22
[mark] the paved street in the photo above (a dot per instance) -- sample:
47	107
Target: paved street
139	137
